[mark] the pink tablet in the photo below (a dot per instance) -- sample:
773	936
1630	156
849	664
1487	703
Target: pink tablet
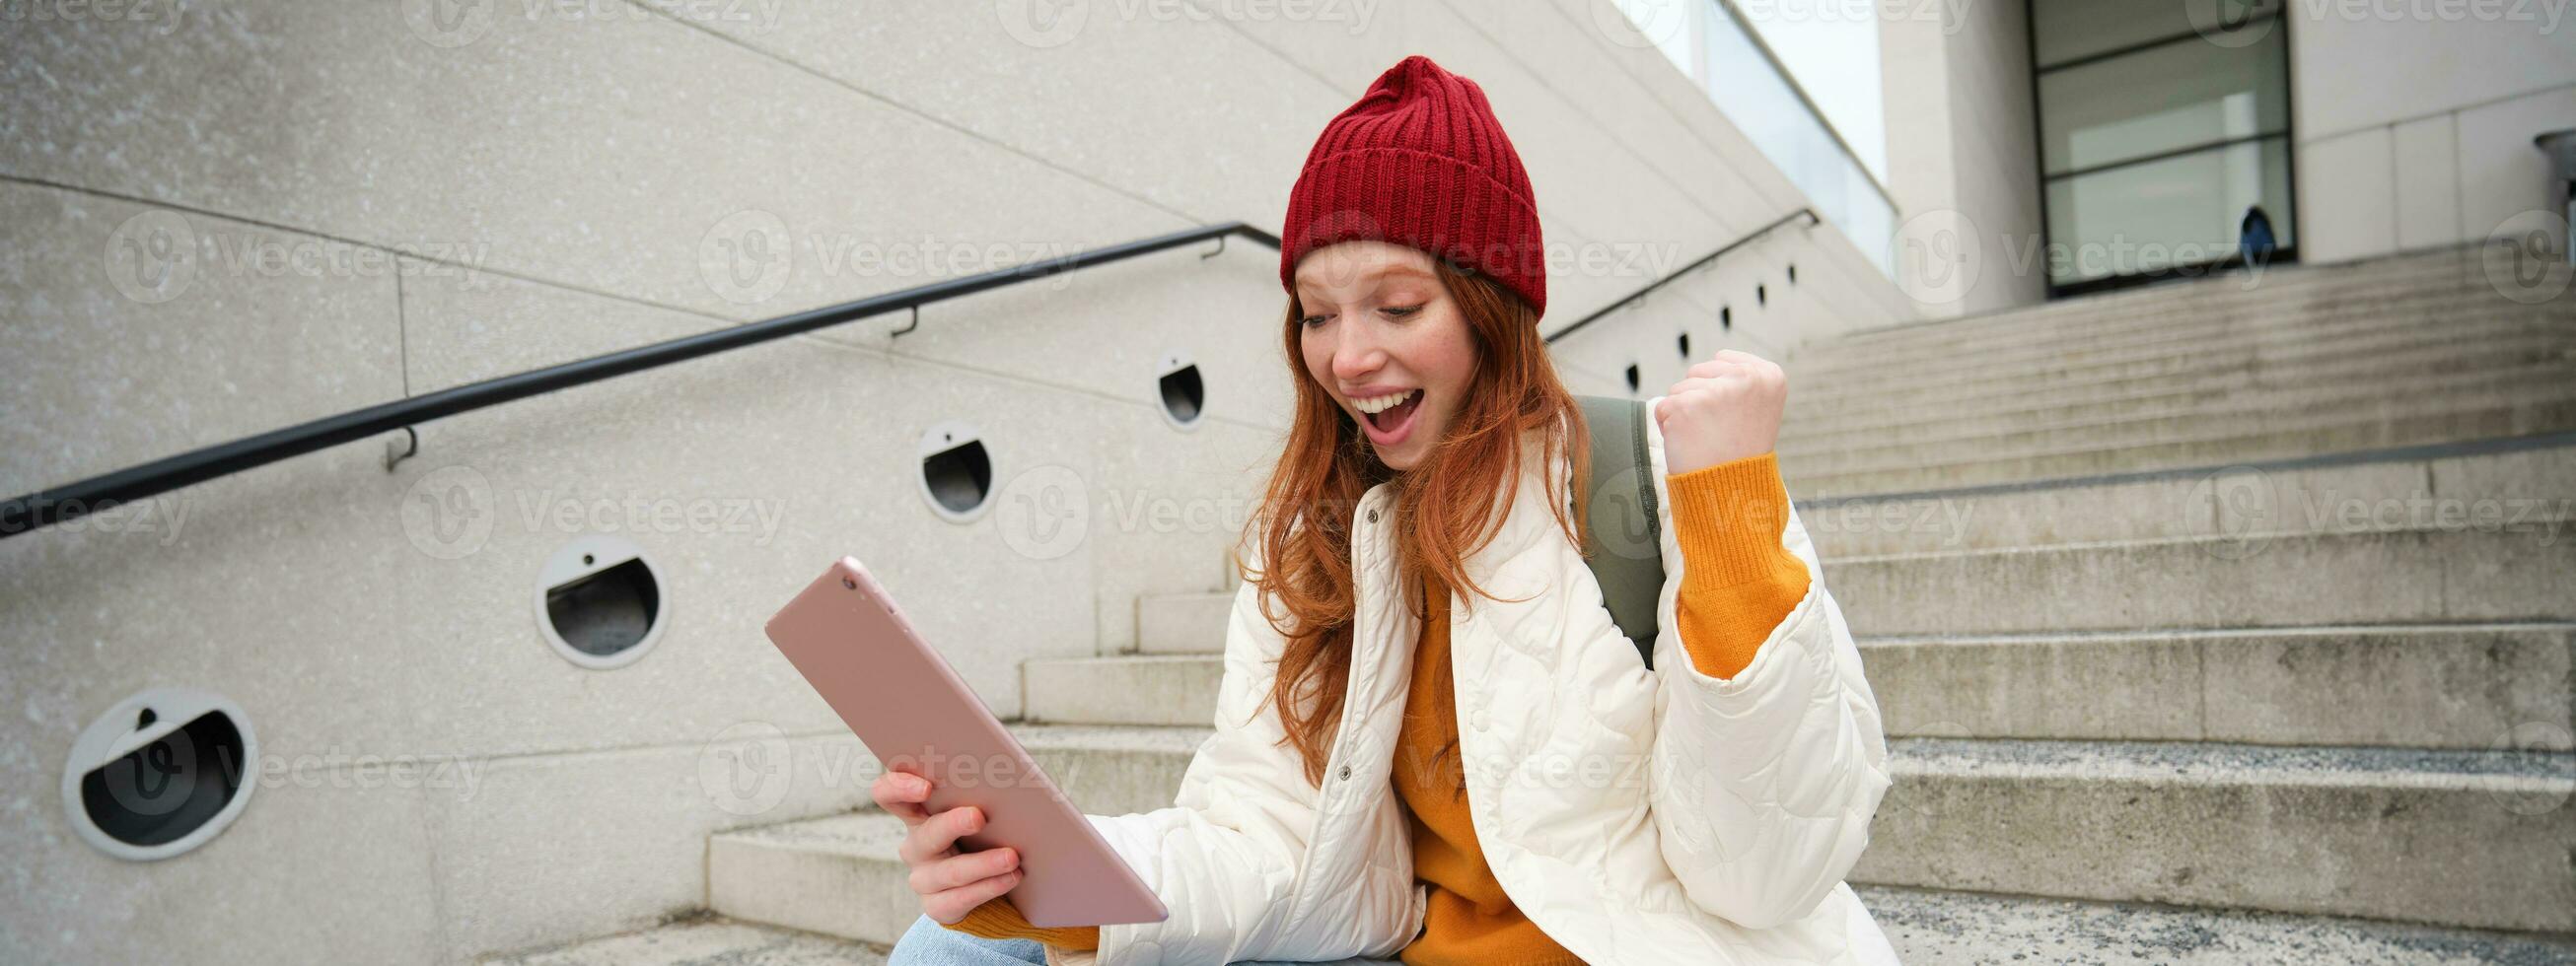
916	715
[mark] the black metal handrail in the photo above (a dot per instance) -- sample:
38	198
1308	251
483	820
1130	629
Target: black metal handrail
71	501
1809	214
47	507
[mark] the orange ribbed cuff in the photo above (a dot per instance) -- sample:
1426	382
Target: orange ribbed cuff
997	918
1738	580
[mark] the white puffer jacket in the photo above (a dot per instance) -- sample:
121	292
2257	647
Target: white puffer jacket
1636	817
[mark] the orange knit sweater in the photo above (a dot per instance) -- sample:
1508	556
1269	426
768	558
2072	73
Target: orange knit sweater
1738	582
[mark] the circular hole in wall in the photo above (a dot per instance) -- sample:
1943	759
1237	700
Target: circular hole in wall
160	773
1685	345
600	602
956	472
1183	393
1761	295
1632	377
1726	317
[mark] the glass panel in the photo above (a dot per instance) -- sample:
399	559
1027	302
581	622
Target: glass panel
2161	99
2071	29
1751	92
1831	48
2149	218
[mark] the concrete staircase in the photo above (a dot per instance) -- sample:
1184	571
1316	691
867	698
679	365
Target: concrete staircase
2210	625
2416	349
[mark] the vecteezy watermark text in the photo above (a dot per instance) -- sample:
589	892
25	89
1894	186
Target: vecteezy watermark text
157	255
449	513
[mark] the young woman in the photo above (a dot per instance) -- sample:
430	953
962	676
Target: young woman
1432	742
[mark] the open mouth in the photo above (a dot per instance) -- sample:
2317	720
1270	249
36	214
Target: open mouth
1392	424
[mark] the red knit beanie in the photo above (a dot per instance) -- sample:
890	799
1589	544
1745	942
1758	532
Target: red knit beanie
1420	161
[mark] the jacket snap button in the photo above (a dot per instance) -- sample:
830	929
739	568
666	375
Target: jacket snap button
1372	515
1346	772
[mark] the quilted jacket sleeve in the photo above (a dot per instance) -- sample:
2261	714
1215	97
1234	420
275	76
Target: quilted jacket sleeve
1763	785
1225	857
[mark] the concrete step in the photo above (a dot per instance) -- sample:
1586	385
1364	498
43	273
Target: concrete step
703	942
2498	484
2312	367
1143	689
2257	324
2201	311
2006	398
2419	303
2408	686
2295	293
2476	839
2296	358
2524	369
2453	838
1930	928
2468	687
1821	476
2526	409
2441	574
1182	623
840	876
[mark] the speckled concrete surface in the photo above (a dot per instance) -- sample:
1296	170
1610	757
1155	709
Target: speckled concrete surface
1938	928
707	942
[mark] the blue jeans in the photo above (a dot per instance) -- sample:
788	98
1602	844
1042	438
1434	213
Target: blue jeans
928	943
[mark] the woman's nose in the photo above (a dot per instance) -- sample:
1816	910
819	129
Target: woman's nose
1355	353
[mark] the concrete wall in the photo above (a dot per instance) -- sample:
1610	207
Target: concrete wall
1962	161
2415	131
240	216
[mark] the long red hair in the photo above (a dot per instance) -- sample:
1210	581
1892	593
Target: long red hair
1446	507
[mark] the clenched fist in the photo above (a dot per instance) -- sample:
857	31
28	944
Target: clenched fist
1728	408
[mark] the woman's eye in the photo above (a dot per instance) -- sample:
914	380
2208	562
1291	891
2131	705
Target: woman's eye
1400	311
1311	321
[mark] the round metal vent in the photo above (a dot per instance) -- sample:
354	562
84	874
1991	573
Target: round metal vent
160	773
1184	394
956	473
600	602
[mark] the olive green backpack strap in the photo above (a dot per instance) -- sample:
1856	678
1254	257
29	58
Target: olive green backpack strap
1630	581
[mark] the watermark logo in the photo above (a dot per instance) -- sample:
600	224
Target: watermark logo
165	515
156	256
152	257
745	769
1045	512
2545	744
167	13
743	258
167	774
2238	511
159	777
1043	23
1940	254
1642	23
2235	509
2232	23
1946	518
448	512
449	23
1618	518
2525	257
